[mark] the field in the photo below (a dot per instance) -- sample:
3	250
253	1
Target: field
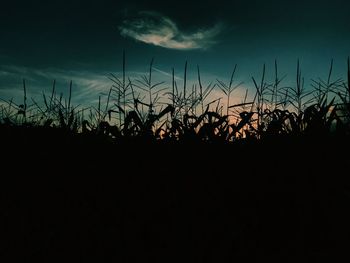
189	180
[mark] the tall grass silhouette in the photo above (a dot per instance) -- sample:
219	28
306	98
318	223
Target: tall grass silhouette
144	109
255	185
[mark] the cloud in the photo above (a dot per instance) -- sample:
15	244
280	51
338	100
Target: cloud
87	85
166	73
155	29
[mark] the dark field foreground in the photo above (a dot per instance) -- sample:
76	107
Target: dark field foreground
68	198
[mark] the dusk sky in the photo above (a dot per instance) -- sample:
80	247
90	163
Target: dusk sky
83	40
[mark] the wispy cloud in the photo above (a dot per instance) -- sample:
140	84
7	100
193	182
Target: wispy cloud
166	73
87	85
156	29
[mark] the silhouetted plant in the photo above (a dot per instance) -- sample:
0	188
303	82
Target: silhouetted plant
136	108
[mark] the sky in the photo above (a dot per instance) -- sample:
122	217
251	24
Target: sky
83	41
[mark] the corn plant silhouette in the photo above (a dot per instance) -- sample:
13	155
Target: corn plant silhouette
142	108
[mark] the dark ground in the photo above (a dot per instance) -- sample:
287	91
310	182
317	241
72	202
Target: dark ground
69	199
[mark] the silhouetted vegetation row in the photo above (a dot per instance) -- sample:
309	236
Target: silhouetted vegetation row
143	110
166	185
